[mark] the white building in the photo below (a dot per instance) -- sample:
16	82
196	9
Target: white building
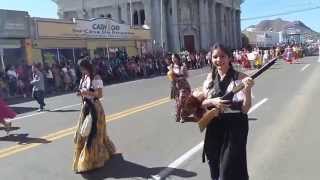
175	24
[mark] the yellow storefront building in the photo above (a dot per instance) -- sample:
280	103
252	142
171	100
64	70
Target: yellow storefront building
59	40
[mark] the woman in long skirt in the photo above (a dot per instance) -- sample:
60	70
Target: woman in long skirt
93	151
180	88
226	136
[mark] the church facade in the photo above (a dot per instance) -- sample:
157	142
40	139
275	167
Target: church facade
175	24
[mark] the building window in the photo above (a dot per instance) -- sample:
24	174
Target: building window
120	15
135	18
142	17
70	15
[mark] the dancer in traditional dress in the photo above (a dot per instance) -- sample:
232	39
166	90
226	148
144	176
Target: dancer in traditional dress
6	113
266	57
93	150
180	86
288	54
226	137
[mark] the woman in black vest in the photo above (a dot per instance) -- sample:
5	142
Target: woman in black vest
226	137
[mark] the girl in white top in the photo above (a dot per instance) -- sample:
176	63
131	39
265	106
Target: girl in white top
93	151
266	56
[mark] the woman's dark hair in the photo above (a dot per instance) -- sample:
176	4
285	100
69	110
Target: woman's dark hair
175	55
37	66
228	52
85	64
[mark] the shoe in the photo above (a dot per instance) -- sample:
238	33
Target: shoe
178	119
7	126
40	110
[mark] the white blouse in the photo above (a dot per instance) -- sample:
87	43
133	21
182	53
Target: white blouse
85	82
240	96
178	70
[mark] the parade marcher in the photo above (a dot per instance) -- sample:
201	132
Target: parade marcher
252	56
278	52
38	86
266	56
319	50
226	137
288	54
180	88
5	113
94	148
272	53
244	60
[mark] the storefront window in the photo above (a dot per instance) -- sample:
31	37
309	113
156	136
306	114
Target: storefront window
13	56
63	55
50	56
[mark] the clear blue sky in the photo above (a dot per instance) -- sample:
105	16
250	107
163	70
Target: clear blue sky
36	8
254	8
250	8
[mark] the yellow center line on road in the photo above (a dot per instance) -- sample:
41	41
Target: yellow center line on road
69	131
138	107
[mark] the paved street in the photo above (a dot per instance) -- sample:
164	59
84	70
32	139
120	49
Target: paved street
283	138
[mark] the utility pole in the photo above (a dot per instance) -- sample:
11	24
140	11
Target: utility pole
131	15
161	24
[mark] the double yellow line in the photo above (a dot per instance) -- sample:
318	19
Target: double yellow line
69	131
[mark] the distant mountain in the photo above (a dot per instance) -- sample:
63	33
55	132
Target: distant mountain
278	25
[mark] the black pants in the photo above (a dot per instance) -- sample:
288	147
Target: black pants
39	97
225	147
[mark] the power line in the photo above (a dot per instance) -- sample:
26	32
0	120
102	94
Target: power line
280	14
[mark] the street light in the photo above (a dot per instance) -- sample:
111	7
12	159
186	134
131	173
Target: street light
161	24
131	16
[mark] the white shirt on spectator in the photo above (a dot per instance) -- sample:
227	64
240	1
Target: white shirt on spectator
12	73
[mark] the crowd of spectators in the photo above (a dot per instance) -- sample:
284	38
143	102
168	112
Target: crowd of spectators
64	76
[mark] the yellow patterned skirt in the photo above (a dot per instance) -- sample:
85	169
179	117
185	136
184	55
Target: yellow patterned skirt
101	149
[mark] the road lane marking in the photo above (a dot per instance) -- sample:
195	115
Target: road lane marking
305	67
185	157
64	107
39	113
138	107
178	162
74	105
256	106
66	132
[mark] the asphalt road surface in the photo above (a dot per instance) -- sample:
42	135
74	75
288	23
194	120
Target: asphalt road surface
283	139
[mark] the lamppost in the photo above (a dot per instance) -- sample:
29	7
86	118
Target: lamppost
131	16
161	23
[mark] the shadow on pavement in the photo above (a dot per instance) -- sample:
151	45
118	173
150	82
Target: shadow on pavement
119	168
18	100
23	139
21	110
67	110
252	119
11	129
